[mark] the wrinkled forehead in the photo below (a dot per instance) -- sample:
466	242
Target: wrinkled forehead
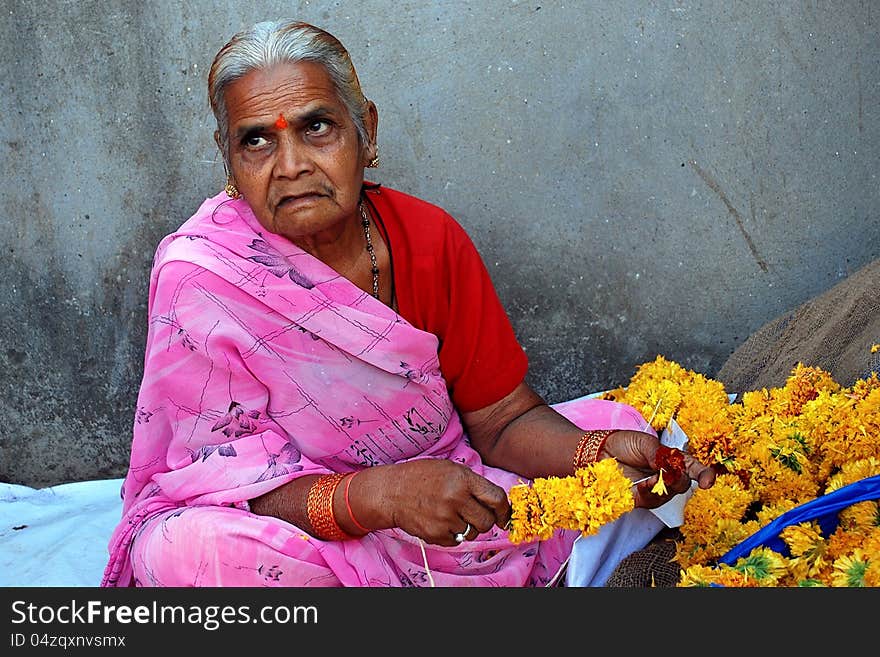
290	89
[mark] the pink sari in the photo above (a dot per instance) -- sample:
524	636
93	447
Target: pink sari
263	365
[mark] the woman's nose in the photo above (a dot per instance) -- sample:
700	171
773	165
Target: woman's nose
293	159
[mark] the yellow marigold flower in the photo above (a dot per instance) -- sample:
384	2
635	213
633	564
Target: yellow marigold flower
808	548
770	511
804	538
875	348
697	576
849	570
710	433
872	542
763	565
854	471
734	578
872	573
861	517
863	386
712	519
804	384
843	542
526	520
592	497
729	533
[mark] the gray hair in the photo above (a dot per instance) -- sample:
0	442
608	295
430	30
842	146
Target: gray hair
274	42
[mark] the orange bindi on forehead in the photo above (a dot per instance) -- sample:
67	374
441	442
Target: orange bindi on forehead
281	122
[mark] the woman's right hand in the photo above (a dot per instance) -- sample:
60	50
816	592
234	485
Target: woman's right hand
636	453
432	499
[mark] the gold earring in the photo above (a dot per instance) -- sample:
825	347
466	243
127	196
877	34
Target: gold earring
375	161
231	189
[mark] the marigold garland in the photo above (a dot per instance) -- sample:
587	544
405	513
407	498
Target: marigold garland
596	494
774	449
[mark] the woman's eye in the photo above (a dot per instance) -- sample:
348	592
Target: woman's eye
318	127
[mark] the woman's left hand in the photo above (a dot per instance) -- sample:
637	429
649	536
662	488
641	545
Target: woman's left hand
637	453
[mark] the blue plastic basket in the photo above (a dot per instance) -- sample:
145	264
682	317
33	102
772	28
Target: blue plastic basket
823	510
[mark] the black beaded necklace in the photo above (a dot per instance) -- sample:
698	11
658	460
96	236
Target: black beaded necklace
365	222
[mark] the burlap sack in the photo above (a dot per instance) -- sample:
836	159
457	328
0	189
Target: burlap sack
653	566
835	331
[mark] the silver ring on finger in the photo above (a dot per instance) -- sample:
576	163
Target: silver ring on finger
461	537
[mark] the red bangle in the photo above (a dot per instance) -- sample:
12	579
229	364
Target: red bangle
320	508
589	447
348	505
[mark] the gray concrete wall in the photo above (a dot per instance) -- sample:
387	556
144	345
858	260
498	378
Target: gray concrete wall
641	177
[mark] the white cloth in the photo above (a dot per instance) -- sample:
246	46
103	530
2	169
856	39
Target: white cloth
57	536
595	557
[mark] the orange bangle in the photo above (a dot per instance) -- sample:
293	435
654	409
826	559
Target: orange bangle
589	447
320	508
348	505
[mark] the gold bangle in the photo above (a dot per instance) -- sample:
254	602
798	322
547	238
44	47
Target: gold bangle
589	447
320	508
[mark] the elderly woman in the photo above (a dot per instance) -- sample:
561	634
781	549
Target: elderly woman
332	392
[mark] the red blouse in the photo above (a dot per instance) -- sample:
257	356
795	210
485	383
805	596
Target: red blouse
443	287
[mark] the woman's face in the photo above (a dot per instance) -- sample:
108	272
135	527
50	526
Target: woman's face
294	152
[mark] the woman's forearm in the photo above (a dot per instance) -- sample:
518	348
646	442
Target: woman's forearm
364	508
287	502
538	443
522	434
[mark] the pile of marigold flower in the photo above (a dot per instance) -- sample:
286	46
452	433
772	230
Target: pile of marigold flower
774	449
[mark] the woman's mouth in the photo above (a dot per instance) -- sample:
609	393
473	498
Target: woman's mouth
299	200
